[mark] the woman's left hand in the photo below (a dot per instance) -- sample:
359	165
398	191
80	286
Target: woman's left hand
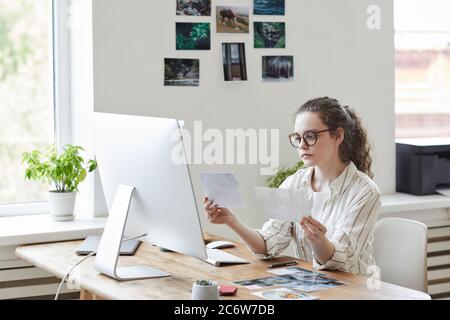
314	231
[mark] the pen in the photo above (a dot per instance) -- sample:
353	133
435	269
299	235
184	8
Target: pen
283	264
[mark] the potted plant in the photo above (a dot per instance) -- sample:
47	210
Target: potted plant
276	180
205	290
64	171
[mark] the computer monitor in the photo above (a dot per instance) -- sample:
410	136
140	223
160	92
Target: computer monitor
139	152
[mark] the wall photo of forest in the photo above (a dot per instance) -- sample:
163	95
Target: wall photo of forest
193	36
181	72
269	34
193	7
277	68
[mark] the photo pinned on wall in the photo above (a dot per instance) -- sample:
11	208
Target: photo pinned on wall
269	34
193	8
193	36
277	68
232	19
269	7
234	65
181	72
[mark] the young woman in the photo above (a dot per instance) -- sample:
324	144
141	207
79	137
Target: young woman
333	145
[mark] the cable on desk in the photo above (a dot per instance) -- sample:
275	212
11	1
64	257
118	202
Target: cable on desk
85	258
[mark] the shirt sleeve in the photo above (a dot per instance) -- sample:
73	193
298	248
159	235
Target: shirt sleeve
353	232
277	235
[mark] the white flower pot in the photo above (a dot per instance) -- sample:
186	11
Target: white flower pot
208	292
62	205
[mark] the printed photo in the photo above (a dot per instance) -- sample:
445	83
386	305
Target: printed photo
234	65
268	7
291	270
232	19
181	72
251	284
311	279
265	282
277	68
269	35
307	286
193	7
302	281
284	294
193	36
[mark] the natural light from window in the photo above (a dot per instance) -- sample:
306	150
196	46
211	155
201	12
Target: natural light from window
422	43
26	108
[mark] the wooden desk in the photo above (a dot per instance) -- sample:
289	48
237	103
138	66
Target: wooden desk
57	258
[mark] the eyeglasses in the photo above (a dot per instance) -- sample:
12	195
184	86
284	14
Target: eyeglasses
310	138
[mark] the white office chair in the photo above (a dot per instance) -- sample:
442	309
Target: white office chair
400	251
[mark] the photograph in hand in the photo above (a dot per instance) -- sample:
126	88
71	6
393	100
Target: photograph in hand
223	188
283	204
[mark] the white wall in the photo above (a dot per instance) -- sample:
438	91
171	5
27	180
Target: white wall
335	54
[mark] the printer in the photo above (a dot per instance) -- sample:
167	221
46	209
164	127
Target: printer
423	165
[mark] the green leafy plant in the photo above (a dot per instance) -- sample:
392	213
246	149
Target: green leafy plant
203	283
200	31
276	180
65	170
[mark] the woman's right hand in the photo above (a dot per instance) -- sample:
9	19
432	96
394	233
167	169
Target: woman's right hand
216	215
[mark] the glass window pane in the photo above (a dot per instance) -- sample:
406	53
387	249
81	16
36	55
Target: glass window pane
422	92
26	107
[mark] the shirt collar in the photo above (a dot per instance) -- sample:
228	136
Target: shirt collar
337	185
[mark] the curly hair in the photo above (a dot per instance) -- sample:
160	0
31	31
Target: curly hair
355	146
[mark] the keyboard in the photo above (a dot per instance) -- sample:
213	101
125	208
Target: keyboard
217	257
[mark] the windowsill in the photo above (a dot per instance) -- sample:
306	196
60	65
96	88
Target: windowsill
402	202
41	228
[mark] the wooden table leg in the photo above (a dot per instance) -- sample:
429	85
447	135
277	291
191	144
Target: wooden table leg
86	295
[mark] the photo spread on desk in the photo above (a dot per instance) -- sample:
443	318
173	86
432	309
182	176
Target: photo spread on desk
292	279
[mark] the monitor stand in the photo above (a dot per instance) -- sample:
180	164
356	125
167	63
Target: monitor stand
109	247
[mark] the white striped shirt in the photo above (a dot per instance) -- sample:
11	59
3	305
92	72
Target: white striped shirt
349	215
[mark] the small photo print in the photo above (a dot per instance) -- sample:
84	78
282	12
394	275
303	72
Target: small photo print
193	7
284	294
292	270
259	283
311	286
234	65
181	72
193	36
232	19
277	68
269	34
269	7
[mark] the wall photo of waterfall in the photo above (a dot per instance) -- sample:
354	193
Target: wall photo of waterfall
181	72
269	34
277	68
269	7
234	64
193	8
232	19
193	36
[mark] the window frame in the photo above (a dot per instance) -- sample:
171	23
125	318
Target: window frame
59	45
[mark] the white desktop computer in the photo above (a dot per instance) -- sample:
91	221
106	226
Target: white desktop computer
146	192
